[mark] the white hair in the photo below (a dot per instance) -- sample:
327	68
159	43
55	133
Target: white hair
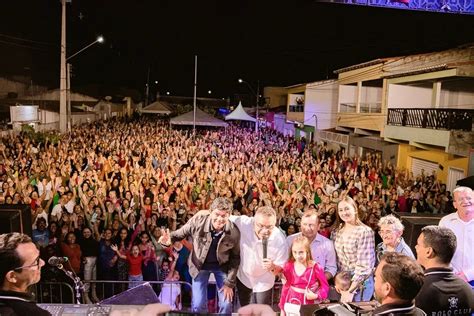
462	189
391	220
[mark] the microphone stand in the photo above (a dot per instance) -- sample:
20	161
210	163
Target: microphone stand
78	285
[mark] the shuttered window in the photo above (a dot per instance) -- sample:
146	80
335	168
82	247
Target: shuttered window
428	166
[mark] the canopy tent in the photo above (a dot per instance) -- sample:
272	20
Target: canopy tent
156	108
239	114
202	119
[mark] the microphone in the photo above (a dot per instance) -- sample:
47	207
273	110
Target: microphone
265	247
56	261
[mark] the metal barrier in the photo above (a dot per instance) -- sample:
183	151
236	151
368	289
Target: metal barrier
54	292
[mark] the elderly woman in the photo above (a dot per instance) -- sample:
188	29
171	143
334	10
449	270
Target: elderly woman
355	250
391	230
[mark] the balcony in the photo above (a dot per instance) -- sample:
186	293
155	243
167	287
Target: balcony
296	108
441	119
295	113
450	129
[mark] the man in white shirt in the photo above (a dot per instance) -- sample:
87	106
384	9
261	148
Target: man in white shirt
462	224
256	274
322	249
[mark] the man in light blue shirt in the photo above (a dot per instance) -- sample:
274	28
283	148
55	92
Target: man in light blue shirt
322	249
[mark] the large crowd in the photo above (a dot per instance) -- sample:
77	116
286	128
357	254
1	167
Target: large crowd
105	193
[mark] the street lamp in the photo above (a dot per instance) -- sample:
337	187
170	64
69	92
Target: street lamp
99	39
258	99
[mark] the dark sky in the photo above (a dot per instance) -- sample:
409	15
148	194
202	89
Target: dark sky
276	42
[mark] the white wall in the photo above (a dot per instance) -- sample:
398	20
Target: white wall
322	101
371	94
347	94
281	125
80	118
47	117
402	96
456	99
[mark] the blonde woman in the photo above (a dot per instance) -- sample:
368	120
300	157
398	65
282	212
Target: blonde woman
355	251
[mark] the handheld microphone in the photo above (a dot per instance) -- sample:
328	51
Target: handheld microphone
56	261
265	247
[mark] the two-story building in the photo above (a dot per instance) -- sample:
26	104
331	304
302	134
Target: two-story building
415	110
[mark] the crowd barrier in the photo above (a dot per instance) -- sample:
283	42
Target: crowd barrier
54	292
63	292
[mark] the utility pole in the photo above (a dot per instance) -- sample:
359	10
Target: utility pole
257	128
147	91
68	94
63	75
195	94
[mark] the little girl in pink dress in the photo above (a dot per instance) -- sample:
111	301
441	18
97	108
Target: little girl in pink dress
304	281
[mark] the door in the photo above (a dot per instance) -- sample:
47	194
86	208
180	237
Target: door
454	174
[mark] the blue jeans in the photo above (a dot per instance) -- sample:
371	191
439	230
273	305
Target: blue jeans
367	292
136	280
200	282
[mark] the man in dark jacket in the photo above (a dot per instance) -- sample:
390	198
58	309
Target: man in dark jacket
216	250
20	267
443	293
398	279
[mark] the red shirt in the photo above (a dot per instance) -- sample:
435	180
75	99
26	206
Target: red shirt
74	254
134	264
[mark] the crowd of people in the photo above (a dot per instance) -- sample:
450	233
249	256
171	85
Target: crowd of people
122	200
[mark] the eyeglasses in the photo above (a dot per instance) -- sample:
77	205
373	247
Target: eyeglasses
261	227
36	264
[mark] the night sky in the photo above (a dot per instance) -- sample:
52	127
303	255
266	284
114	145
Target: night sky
276	42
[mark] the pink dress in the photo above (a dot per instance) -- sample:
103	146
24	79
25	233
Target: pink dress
318	284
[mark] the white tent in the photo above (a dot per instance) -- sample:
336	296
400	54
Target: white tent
239	114
156	108
202	119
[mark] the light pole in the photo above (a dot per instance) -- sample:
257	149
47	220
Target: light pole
258	99
62	75
99	39
315	128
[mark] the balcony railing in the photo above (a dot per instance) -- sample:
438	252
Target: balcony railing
348	108
375	107
444	119
296	108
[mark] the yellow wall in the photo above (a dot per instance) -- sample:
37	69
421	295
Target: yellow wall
407	152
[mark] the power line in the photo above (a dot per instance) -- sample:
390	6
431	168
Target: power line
27	40
24	46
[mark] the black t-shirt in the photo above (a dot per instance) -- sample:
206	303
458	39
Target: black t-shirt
19	304
211	261
443	293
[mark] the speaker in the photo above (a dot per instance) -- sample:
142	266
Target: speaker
15	218
140	295
414	223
